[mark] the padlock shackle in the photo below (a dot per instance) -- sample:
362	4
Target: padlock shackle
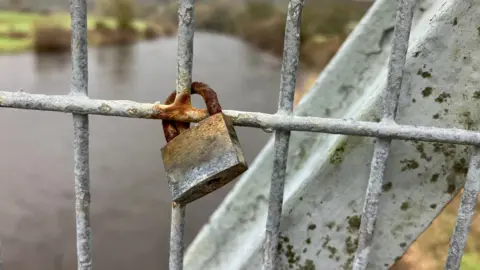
172	129
209	97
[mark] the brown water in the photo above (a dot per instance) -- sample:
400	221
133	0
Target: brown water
130	199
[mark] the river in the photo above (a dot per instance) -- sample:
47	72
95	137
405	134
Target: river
130	199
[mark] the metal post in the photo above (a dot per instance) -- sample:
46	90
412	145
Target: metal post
382	146
186	31
184	80
465	213
282	137
79	87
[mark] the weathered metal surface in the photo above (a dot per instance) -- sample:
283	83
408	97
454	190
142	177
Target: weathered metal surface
184	78
172	128
327	174
269	122
291	53
203	159
85	105
79	87
466	210
395	79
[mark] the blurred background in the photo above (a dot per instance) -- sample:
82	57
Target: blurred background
237	50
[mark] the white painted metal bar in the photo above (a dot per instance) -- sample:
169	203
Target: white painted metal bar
184	79
466	210
291	52
79	87
382	146
131	109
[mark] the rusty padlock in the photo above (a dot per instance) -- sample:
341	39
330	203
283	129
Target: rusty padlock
205	157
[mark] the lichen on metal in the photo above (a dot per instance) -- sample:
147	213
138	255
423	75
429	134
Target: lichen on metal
323	200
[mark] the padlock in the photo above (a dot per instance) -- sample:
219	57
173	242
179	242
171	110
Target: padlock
201	159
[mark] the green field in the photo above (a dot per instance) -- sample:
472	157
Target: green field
17	28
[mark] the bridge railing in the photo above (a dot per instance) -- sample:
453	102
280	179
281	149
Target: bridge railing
283	123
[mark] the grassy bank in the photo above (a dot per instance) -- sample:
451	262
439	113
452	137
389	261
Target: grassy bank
22	31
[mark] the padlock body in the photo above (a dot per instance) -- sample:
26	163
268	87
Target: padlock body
203	159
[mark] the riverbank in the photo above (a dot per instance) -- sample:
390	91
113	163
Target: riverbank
26	31
260	24
325	25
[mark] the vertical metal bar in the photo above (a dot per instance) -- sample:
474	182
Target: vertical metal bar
379	161
176	236
282	137
184	80
1	263
186	21
79	86
465	213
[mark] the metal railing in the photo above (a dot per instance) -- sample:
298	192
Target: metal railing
283	122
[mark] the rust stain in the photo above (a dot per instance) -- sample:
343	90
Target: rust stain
175	107
208	95
200	145
177	113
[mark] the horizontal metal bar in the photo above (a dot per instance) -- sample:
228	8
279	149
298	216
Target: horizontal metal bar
84	105
124	108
